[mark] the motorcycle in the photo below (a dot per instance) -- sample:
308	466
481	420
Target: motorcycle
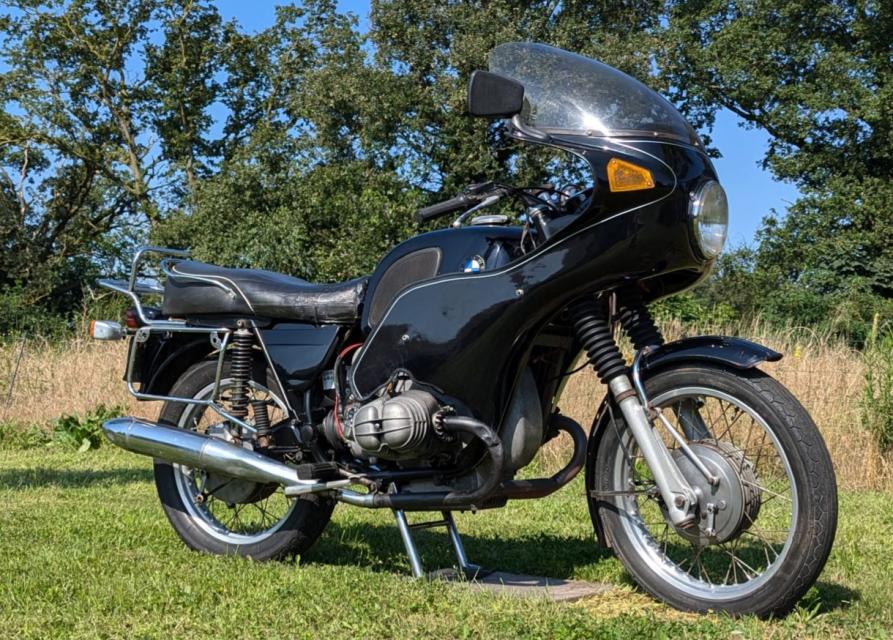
428	385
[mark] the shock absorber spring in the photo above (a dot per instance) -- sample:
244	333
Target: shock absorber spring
262	422
593	329
636	320
240	372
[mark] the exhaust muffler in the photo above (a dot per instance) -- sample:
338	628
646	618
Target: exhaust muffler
200	451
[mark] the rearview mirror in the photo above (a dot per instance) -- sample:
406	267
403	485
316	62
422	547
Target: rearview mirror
494	96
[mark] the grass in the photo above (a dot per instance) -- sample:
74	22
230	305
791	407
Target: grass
85	551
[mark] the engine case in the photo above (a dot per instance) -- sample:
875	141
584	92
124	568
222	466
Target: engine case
398	427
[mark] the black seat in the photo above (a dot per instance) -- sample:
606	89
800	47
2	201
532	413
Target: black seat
196	288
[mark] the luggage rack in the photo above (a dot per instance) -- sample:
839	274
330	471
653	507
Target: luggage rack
218	336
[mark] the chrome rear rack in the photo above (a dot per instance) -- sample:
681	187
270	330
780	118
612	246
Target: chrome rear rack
134	288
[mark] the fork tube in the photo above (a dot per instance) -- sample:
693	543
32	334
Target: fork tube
674	488
594	332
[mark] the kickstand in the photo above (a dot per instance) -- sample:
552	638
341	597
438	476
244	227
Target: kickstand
415	562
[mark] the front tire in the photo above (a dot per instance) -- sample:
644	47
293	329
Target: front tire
290	526
774	533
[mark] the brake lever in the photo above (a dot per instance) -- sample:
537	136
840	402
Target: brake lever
483	204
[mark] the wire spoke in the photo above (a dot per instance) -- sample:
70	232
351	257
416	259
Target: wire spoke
745	553
765	490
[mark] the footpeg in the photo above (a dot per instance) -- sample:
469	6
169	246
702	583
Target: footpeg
318	471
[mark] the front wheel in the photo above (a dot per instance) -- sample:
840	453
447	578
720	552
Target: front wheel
763	532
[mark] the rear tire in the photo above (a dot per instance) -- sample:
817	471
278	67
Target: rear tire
296	531
793	563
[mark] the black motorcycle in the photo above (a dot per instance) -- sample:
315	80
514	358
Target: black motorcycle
430	384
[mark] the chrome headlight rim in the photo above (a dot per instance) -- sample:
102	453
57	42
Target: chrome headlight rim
708	205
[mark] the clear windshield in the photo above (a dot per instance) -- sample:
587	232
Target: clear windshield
565	92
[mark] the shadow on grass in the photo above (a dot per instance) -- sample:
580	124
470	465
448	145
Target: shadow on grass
831	597
27	478
379	548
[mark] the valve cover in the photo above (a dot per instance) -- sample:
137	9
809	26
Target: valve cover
398	427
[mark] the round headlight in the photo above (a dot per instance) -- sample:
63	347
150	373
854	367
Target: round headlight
709	211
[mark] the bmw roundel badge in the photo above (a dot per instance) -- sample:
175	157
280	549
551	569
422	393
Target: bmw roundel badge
474	265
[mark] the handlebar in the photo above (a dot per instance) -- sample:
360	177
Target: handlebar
470	197
458	203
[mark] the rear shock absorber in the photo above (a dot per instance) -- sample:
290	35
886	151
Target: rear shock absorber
636	320
240	371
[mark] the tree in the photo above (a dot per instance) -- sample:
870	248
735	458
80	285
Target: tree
92	143
333	136
818	77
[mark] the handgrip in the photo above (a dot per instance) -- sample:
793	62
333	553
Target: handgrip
441	208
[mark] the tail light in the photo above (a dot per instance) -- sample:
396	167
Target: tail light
131	319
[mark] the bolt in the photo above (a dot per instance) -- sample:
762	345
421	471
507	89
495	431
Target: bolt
679	501
404	337
519	292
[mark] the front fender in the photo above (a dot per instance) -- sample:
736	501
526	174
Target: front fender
735	352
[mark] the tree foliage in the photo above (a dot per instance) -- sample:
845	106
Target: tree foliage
86	100
818	77
304	147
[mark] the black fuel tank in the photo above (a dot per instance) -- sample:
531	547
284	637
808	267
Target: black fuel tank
472	249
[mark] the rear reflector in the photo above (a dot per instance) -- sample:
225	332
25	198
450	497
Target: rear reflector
131	319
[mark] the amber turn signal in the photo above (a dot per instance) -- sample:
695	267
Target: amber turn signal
106	330
626	176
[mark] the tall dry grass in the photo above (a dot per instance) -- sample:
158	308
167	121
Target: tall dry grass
825	374
53	379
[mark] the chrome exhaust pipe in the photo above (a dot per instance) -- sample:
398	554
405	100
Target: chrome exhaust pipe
200	451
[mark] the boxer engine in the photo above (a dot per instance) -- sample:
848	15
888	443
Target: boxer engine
405	426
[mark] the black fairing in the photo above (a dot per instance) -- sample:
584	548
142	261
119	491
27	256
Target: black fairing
445	251
466	335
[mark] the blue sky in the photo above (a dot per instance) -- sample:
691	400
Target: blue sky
752	191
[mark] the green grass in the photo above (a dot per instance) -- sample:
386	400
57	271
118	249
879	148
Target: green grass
85	551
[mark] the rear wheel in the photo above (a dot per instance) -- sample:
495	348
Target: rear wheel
764	531
221	515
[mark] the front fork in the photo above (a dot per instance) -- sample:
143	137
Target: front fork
678	496
593	323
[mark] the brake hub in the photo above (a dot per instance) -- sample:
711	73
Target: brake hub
232	490
731	505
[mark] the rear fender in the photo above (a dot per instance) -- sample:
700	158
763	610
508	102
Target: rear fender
164	362
734	352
